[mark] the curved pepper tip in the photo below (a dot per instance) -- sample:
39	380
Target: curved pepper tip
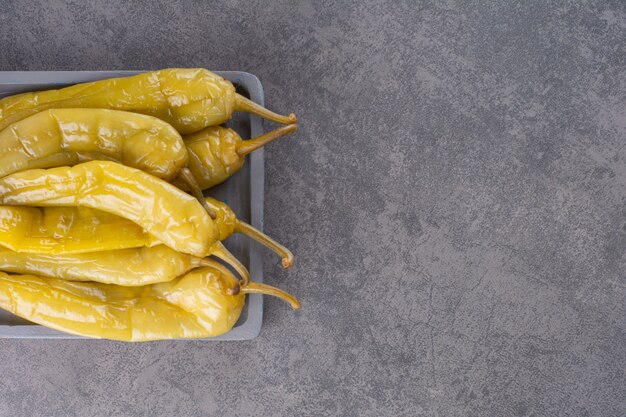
295	304
288	261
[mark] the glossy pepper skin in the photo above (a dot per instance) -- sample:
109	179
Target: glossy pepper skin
74	230
128	267
192	306
68	230
77	230
173	217
216	153
61	137
189	99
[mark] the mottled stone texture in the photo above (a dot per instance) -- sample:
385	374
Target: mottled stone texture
455	196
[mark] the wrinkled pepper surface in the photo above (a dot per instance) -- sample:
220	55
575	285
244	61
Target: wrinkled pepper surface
77	229
189	99
194	305
68	230
61	137
216	153
65	137
173	217
197	304
130	267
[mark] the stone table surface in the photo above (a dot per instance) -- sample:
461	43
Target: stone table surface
455	197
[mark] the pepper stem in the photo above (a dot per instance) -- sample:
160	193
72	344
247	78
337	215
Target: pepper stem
244	104
248	146
186	175
265	240
219	250
258	288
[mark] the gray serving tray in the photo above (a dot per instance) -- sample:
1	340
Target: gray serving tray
243	192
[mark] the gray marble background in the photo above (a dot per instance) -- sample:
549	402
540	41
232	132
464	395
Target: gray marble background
455	196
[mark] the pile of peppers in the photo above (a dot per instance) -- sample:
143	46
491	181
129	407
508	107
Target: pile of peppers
99	236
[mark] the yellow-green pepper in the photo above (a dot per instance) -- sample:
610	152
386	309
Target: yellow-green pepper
198	304
189	99
130	267
60	137
119	190
169	214
68	230
78	230
216	153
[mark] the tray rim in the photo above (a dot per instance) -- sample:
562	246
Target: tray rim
251	327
